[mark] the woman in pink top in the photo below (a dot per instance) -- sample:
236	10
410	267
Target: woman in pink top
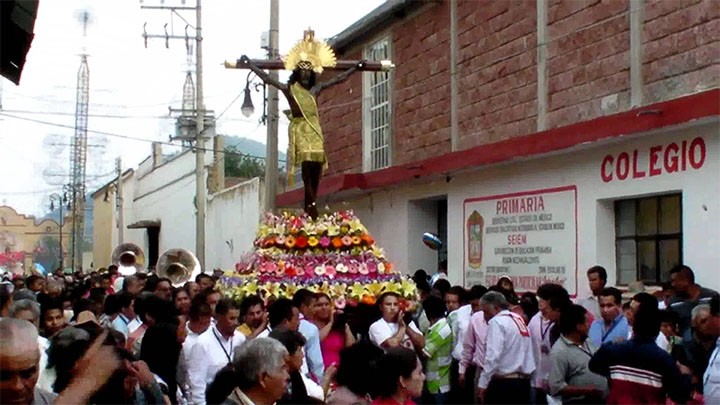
335	333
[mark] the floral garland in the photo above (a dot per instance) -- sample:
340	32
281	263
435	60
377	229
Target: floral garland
9	259
334	255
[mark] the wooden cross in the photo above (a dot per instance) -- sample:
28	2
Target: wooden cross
301	91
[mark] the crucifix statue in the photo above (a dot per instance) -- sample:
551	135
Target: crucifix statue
307	60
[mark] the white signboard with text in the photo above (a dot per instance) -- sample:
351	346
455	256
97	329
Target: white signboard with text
529	236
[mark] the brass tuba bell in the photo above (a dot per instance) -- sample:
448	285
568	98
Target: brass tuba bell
178	265
129	258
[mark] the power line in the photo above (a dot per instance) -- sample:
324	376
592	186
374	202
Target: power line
128	137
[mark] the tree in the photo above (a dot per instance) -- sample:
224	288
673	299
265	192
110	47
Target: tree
238	164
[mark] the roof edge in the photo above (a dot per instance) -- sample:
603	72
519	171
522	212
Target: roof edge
371	22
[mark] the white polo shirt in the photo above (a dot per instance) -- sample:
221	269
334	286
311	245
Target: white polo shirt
210	353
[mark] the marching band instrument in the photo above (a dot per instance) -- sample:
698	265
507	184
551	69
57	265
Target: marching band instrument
129	258
179	266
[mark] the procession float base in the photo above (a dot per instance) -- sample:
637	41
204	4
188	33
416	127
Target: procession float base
334	255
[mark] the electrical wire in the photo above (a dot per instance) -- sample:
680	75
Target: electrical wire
128	137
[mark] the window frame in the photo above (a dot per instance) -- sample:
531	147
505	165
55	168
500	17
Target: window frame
657	237
367	105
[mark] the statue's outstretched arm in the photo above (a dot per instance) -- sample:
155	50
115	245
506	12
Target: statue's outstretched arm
337	79
263	75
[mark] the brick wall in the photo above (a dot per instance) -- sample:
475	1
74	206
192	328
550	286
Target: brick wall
421	86
681	41
498	82
588	59
340	109
588	71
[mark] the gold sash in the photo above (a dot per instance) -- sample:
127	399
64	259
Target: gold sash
305	134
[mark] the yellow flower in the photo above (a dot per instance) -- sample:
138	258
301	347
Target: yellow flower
393	287
356	226
250	288
290	289
357	290
337	290
333	230
378	252
374	288
272	289
324	288
408	288
313	241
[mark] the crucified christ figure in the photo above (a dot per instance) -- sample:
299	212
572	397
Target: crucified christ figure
306	137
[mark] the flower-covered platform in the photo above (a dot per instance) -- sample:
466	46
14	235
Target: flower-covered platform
334	255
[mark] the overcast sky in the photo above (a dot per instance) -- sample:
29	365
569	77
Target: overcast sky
134	84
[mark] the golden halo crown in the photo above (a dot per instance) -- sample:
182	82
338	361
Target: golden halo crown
310	53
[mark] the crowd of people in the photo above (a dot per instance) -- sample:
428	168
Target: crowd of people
102	338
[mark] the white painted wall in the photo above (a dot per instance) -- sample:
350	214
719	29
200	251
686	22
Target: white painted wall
233	217
167	193
387	217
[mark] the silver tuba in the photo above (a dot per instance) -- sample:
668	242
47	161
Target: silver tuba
129	258
178	265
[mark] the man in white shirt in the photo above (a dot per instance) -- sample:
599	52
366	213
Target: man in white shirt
198	322
214	349
509	362
597	279
551	299
126	302
391	330
459	312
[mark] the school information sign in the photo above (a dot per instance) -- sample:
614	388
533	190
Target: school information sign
529	236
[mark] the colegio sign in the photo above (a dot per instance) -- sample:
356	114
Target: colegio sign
657	160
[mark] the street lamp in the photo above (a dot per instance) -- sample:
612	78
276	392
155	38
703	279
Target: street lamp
60	200
248	108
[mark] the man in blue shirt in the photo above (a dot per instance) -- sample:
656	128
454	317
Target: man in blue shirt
304	300
613	327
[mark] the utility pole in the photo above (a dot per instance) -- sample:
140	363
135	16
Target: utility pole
200	182
271	143
119	202
201	186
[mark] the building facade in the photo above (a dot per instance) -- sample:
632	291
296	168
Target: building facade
158	207
537	138
25	241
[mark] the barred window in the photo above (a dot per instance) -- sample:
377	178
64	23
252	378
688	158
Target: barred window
377	111
648	238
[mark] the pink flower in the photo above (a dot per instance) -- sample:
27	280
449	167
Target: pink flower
309	270
352	268
363	269
330	271
325	241
347	240
372	267
340	302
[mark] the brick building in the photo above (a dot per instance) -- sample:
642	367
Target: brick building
537	138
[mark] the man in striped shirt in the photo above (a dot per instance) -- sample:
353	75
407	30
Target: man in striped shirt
640	372
438	350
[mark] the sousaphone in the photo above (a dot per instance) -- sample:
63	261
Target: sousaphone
129	258
178	265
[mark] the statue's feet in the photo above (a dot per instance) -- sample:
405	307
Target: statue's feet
312	210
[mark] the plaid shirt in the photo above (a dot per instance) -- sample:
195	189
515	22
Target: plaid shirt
438	349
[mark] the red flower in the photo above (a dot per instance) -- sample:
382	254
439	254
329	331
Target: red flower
301	242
